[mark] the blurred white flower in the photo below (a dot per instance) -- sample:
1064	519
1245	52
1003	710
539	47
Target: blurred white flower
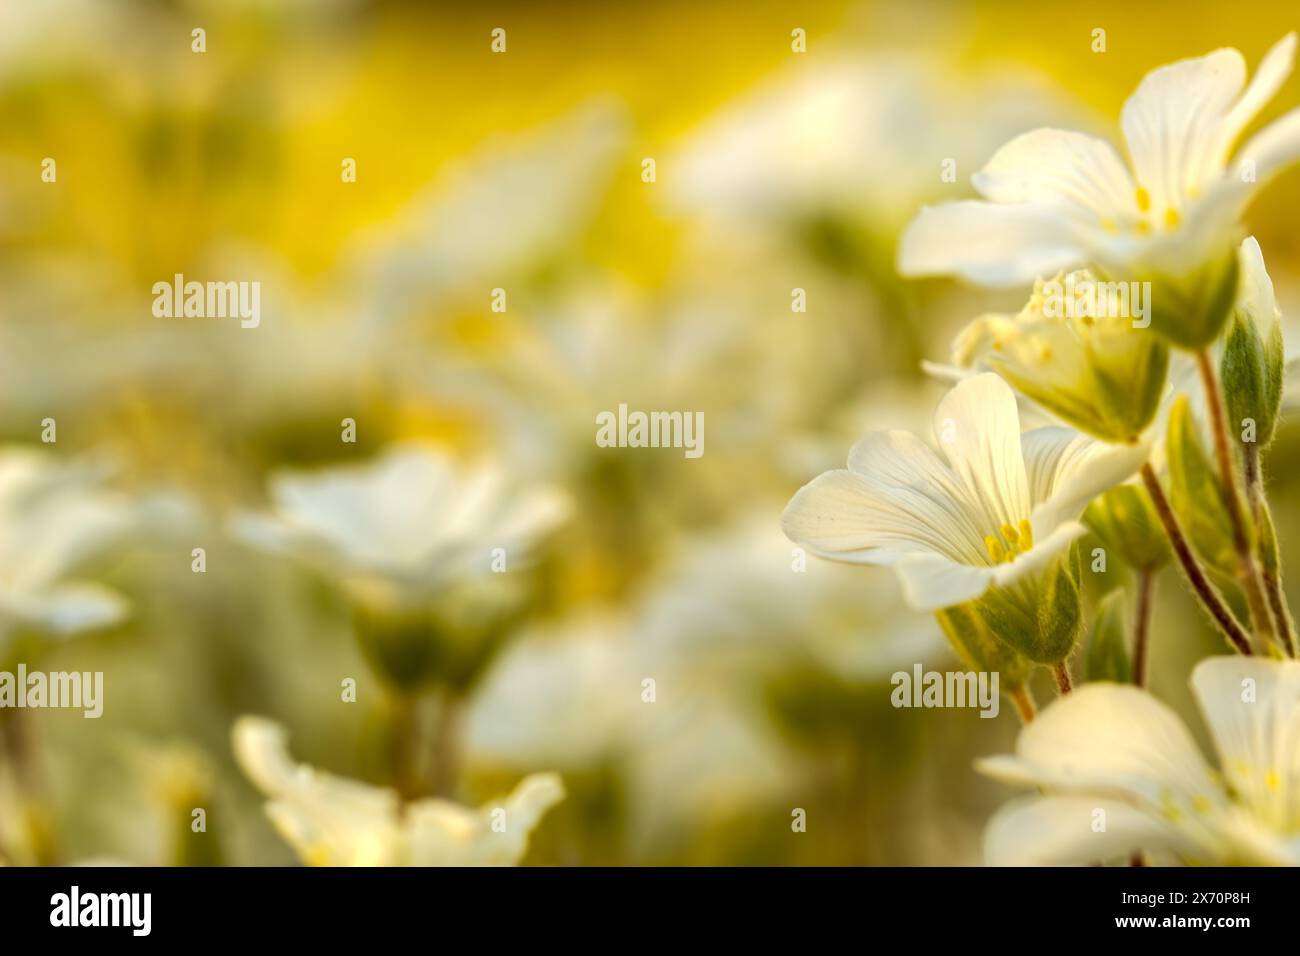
856	136
1059	200
407	524
54	516
333	821
1122	773
1002	506
566	696
741	599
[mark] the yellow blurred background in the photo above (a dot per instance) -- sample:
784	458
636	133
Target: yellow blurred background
523	170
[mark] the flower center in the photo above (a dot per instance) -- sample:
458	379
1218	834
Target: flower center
1013	541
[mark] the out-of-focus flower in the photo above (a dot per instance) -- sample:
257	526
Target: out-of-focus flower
1002	506
406	525
857	137
425	549
333	821
1060	200
1076	354
1122	774
53	516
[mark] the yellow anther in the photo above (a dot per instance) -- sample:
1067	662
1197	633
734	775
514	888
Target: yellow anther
1273	781
1009	535
1110	226
1026	534
1143	199
1172	219
1143	227
994	548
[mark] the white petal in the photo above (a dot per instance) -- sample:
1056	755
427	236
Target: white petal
326	819
1062	831
1268	79
1067	470
1073	170
1269	151
978	428
931	581
895	501
1172	121
440	833
989	243
261	748
1252	707
1111	740
1255	288
66	609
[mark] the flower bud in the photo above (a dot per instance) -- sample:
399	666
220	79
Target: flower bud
1126	523
1108	655
1079	350
1253	361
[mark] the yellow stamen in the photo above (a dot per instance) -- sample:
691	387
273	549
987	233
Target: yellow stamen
1172	219
994	547
1009	534
1143	199
1110	226
1143	227
1272	781
1026	534
1202	804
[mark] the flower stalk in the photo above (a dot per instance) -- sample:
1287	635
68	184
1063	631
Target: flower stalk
1064	682
1251	579
1260	513
1023	700
1208	595
1146	586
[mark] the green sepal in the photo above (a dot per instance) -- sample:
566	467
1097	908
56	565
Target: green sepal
1045	627
1252	372
1126	523
1190	311
979	650
1108	654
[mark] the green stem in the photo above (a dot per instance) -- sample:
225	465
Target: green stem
1259	511
404	723
1024	701
1064	682
1251	580
446	746
1142	624
1208	595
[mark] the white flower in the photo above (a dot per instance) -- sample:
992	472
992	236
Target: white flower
1116	749
412	521
997	506
53	516
333	821
1059	200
